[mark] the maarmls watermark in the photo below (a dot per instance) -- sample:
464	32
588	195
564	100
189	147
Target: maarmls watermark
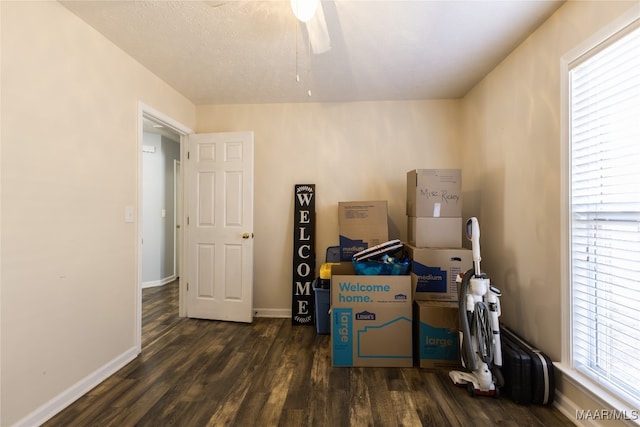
607	415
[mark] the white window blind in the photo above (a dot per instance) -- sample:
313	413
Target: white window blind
605	215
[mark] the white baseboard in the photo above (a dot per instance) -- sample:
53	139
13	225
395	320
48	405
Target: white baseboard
568	408
66	398
162	282
272	312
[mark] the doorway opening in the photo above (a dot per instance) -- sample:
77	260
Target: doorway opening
160	222
160	202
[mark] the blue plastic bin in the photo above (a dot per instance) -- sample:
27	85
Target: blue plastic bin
323	305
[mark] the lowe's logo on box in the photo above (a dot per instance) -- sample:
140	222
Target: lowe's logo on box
401	297
365	315
430	279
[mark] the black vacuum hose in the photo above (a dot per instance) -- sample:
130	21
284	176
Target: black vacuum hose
467	349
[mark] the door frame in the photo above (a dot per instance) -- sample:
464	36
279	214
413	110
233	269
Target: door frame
178	213
147	111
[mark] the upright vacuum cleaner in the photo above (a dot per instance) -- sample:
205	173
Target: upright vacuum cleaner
479	309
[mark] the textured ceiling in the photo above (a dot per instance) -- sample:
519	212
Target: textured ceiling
222	52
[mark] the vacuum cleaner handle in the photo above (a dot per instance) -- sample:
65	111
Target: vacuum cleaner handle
473	234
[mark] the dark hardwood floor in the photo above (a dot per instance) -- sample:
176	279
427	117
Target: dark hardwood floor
270	373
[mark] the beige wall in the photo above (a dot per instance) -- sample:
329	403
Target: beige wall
69	165
512	164
351	151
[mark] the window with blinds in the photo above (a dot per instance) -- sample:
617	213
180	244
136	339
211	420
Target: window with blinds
605	214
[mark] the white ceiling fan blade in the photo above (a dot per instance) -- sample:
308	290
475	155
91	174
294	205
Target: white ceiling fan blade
318	32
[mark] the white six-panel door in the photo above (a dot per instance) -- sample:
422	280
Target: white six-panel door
219	174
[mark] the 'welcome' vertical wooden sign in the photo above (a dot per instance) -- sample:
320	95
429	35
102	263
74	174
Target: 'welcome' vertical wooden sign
304	257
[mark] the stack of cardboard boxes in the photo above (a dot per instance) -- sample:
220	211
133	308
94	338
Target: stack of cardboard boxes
434	222
371	316
394	320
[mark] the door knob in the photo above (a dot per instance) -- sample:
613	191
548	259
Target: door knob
247	235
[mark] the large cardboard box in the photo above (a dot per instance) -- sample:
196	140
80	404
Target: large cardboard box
434	272
361	225
434	193
436	339
371	319
427	232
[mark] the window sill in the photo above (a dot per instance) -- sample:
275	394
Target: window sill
613	407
